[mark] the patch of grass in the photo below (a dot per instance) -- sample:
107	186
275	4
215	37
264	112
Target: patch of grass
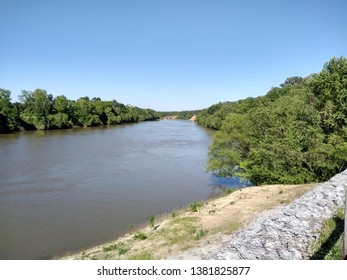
173	214
109	248
212	211
280	191
121	247
229	190
194	207
141	256
174	236
180	230
151	221
140	236
200	234
191	229
183	220
229	228
329	244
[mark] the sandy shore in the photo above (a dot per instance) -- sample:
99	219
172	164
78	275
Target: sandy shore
197	224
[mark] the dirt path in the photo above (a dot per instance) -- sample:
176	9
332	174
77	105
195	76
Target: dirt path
199	224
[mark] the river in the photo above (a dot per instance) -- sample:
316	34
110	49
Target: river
65	190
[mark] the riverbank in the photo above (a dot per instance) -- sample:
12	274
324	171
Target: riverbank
196	225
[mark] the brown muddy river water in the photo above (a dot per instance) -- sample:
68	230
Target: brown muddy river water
66	190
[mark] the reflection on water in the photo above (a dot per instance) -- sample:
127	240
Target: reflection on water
65	190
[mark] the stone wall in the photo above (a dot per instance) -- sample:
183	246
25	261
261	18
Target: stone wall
284	233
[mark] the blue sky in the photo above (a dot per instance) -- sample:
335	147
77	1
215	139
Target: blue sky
166	55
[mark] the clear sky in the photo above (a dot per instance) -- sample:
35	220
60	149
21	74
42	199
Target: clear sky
166	55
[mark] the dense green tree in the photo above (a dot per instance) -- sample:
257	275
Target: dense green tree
86	113
10	114
5	100
329	94
40	110
292	81
63	113
37	107
214	115
293	134
5	110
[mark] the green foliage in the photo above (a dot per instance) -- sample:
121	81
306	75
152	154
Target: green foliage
194	207
183	229
213	116
201	233
140	236
293	134
229	190
9	113
121	247
37	107
329	94
151	220
141	256
39	110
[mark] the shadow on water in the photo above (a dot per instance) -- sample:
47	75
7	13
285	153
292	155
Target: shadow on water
229	182
328	244
220	185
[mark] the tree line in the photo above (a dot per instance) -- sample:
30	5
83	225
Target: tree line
296	133
40	110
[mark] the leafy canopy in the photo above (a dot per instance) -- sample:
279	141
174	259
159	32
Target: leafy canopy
296	133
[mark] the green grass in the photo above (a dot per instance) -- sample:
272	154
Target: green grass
180	230
194	207
231	190
121	247
140	236
200	234
141	256
183	221
329	244
151	221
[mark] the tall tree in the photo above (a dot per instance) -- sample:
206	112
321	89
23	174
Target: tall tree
329	92
37	107
294	134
